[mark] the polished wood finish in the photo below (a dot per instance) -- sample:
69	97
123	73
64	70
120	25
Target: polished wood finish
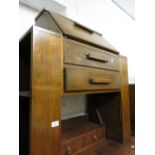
75	30
77	138
79	78
90	92
125	99
45	22
82	54
46	92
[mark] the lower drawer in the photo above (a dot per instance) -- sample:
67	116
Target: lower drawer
78	78
82	142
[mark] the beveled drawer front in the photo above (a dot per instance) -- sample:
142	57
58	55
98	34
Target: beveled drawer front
79	78
93	137
82	142
71	147
81	54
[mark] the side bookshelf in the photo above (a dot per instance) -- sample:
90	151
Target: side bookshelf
24	93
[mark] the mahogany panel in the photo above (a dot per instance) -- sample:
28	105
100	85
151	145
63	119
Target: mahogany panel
79	136
46	88
79	78
125	99
82	54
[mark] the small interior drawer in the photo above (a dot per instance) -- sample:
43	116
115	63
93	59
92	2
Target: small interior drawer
82	54
83	141
79	78
93	137
71	147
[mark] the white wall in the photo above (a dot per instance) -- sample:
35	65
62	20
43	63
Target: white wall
26	18
102	16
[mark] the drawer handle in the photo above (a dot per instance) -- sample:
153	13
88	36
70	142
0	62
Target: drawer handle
100	81
96	58
69	151
94	137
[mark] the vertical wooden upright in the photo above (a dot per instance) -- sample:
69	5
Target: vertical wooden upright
125	99
47	70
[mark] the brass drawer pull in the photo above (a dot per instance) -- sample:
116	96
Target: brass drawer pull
96	58
94	137
100	81
69	151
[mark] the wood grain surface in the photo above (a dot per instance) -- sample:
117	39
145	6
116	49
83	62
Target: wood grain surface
47	73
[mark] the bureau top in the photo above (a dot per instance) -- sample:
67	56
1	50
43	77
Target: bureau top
71	29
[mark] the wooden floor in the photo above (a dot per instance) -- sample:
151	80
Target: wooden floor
113	148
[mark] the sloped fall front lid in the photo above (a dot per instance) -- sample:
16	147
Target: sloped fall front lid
71	29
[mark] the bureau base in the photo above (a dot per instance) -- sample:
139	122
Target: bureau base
79	135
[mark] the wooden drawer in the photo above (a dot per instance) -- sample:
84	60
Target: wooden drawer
78	78
82	142
81	54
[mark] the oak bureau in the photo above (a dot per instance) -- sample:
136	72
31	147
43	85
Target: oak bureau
61	58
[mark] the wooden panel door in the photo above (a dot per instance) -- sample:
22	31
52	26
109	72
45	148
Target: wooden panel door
47	70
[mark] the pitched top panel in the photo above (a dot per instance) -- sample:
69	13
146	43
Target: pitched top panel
75	30
46	22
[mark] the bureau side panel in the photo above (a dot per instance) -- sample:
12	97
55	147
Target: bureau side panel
46	88
125	99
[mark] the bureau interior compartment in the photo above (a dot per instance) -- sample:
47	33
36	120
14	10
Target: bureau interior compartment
106	109
78	133
93	113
